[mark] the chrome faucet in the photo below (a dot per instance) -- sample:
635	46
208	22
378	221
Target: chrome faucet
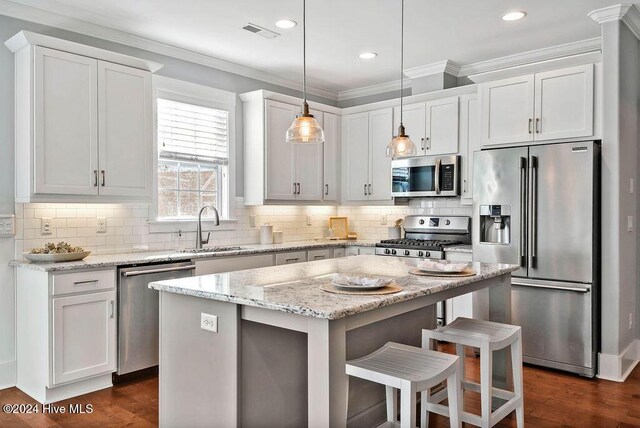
199	240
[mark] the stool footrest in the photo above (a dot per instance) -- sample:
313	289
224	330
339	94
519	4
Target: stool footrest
496	392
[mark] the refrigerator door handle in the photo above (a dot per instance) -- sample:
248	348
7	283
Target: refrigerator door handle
552	286
523	212
533	207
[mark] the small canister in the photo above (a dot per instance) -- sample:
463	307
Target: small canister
278	237
394	232
266	234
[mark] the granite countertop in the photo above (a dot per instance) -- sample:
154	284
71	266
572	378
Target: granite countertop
296	288
458	249
142	257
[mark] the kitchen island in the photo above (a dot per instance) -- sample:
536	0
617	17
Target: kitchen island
211	378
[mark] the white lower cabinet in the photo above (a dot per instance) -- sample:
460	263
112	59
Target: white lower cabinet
84	336
291	257
359	251
66	326
461	306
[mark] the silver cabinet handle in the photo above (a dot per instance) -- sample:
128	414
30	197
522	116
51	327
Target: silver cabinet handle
159	270
523	211
533	207
88	281
103	180
365	190
530	124
292	260
111	312
427	147
437	174
95	178
537	125
298	188
464	186
422	143
319	257
370	192
326	189
294	188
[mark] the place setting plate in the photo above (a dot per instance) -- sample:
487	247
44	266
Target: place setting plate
443	269
342	284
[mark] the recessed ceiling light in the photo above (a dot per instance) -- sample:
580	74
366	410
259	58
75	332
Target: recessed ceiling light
368	55
286	23
513	16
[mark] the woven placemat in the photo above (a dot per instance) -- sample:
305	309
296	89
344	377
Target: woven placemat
464	273
387	289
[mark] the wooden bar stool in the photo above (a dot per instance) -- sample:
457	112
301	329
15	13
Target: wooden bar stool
410	370
489	337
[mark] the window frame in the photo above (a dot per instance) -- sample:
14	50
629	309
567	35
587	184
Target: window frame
191	93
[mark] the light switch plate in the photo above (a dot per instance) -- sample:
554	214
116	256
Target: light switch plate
7	225
102	225
252	220
45	226
209	322
308	219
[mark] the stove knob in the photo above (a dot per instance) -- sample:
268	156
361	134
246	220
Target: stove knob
427	254
387	251
420	253
407	252
447	222
421	221
393	252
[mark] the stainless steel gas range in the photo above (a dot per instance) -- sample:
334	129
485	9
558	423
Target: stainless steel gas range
427	237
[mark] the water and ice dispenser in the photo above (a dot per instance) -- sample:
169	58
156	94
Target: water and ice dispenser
495	224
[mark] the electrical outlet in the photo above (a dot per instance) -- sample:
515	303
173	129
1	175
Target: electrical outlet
252	221
102	225
630	321
45	226
383	219
7	225
209	322
308	219
630	223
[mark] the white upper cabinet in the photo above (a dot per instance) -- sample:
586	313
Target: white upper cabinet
331	154
414	118
367	169
544	106
84	122
507	110
280	168
65	123
564	103
469	143
441	126
280	172
125	130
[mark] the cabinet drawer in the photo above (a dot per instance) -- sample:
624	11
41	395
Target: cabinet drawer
339	252
78	282
314	255
290	258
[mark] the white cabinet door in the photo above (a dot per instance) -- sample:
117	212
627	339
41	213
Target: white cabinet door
507	110
331	156
66	123
380	134
441	126
356	141
308	166
84	336
125	135
414	119
280	170
564	103
469	143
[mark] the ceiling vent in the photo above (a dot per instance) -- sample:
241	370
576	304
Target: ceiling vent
256	29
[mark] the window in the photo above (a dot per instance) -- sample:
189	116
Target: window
193	160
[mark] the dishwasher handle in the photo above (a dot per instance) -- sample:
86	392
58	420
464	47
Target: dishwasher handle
159	270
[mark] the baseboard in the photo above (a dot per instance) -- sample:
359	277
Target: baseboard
7	374
618	367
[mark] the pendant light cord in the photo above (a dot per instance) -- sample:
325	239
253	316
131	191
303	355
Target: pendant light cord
304	50
401	59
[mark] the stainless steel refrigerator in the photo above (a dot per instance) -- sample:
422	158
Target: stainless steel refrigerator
538	207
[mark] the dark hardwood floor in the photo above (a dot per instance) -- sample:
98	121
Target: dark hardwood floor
552	399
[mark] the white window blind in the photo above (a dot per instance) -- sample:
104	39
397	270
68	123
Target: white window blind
191	132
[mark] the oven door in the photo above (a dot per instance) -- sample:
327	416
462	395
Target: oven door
425	176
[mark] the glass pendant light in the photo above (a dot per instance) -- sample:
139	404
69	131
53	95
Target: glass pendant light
401	145
305	128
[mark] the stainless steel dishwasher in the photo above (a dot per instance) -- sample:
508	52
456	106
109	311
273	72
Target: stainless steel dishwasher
138	313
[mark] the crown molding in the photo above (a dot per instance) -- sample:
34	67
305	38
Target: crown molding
626	12
40	16
632	20
372	90
446	66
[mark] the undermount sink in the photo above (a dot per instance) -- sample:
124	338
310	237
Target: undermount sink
209	250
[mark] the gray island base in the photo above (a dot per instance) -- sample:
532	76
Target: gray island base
278	356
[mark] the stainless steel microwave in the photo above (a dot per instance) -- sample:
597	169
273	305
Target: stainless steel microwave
426	176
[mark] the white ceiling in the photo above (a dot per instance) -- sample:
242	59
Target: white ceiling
464	31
